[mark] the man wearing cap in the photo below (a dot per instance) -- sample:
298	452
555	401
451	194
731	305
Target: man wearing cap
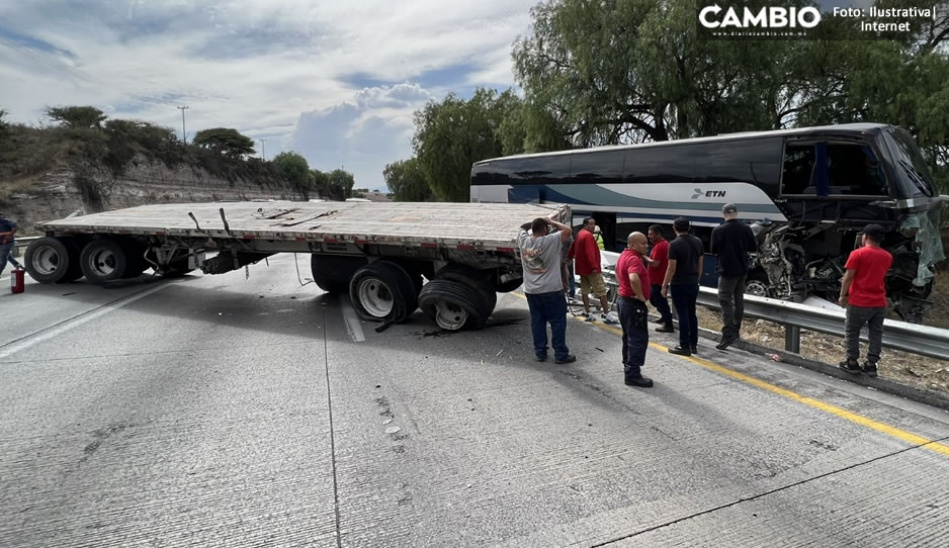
864	294
732	241
682	280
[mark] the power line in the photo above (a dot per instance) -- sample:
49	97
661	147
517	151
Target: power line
184	138
263	144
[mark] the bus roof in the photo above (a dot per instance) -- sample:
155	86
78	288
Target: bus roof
848	128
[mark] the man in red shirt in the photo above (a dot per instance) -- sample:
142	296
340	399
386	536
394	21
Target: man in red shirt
864	293
586	256
634	291
658	263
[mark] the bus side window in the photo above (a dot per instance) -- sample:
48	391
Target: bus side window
797	169
857	172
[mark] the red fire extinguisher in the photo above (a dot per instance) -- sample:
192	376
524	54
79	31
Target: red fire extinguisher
17	280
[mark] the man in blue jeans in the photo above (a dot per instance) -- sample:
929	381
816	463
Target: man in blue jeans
682	280
7	229
542	261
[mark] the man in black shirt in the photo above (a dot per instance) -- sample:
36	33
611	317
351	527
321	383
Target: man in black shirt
732	241
682	280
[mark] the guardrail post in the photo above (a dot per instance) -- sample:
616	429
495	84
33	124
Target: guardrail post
792	338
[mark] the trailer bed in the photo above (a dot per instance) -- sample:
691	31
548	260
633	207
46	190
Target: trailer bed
478	226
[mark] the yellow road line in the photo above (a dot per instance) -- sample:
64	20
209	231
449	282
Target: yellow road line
893	431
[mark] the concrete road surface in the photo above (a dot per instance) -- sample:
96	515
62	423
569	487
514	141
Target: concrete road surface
227	411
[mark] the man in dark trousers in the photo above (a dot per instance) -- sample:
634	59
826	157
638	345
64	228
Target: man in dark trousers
732	241
542	261
682	281
863	292
658	263
634	291
7	230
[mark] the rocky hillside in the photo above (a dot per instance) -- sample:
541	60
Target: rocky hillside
56	194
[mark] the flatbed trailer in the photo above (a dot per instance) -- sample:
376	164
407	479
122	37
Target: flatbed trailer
377	252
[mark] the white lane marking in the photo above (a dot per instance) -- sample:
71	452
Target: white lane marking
73	323
352	322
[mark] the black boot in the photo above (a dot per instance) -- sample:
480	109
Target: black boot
633	377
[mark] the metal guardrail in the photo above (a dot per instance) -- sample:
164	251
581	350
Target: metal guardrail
909	337
912	338
22	242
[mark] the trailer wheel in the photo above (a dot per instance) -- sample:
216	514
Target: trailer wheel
103	261
53	260
475	279
453	305
333	273
383	291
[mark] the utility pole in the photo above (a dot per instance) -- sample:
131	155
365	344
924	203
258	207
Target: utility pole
263	144
184	138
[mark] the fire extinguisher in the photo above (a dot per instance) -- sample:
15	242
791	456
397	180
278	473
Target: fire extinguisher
17	280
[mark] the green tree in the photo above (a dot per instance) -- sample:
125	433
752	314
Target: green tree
126	138
616	71
295	169
407	182
340	184
320	181
226	141
85	117
453	134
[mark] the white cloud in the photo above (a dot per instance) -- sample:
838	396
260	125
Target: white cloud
270	68
362	136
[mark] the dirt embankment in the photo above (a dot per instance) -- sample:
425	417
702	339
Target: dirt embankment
55	194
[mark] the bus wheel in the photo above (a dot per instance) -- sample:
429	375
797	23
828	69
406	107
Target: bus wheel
454	305
53	260
757	285
383	292
103	260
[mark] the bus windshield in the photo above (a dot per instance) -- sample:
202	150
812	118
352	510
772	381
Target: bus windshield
909	164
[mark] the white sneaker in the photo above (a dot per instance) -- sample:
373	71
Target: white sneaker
609	318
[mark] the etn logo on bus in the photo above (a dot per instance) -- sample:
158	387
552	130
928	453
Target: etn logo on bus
708	194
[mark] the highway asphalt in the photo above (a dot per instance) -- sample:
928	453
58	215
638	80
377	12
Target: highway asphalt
255	411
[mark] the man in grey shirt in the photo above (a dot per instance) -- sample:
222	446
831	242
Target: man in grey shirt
541	258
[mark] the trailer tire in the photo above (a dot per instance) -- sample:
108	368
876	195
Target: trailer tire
53	260
383	292
475	279
103	260
453	305
333	273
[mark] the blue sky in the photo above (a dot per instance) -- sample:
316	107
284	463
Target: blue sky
335	81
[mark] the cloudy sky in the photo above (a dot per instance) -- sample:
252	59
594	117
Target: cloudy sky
335	81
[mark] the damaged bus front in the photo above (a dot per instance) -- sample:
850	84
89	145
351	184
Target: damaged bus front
833	183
